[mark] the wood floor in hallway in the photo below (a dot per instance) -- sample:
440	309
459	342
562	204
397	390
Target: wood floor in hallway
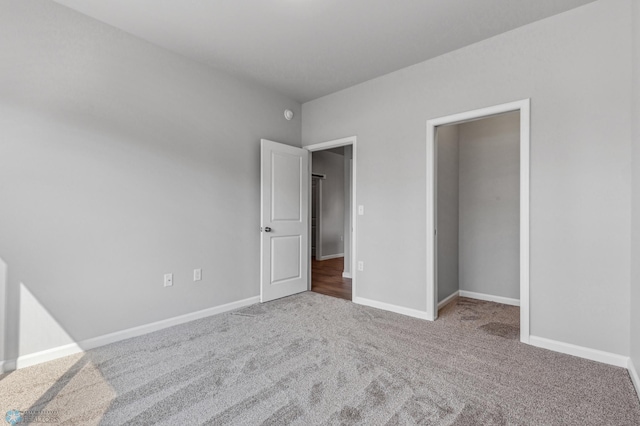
326	278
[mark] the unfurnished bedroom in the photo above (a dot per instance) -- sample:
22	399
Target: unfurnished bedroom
319	212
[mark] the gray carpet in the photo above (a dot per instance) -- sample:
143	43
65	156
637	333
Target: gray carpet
312	359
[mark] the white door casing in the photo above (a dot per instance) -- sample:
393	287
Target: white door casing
351	140
284	205
523	106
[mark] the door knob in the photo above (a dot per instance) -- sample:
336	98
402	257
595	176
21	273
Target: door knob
267	229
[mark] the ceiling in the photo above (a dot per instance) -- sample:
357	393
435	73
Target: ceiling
310	48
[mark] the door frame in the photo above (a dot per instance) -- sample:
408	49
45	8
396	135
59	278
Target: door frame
318	208
523	106
336	143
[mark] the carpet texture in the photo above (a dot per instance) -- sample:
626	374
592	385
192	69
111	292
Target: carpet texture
312	359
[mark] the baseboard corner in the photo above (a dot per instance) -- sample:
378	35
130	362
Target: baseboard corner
635	379
7	366
346	275
444	302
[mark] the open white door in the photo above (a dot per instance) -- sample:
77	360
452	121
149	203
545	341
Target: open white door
284	204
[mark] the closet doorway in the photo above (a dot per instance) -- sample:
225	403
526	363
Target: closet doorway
478	209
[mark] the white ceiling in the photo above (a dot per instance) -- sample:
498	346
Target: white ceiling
310	48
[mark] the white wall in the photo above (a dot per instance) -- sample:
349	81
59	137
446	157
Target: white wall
576	68
635	247
447	215
119	162
489	191
333	200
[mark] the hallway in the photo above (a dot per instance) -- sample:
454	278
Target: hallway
326	278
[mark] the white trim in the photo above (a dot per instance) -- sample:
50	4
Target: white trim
525	143
432	309
635	379
489	298
580	351
336	143
85	345
524	107
351	140
391	308
54	353
318	212
332	256
346	275
7	365
448	299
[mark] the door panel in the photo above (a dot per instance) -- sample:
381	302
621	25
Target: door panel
286	191
285	258
285	220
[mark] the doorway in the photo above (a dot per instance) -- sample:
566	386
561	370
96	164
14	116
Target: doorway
332	224
495	223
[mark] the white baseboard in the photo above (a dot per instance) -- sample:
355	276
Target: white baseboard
7	365
448	299
580	351
331	256
84	345
634	376
391	308
489	298
346	275
53	353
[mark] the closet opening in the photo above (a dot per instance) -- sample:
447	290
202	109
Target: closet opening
479	219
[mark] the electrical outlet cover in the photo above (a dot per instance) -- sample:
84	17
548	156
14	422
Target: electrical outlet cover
168	280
